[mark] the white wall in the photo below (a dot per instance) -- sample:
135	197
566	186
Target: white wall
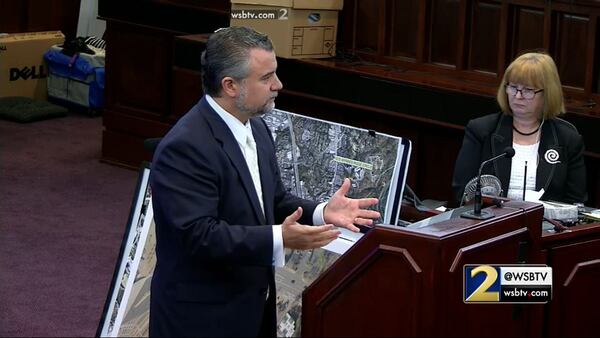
88	24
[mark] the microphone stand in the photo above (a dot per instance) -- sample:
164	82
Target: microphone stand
478	202
525	180
477	213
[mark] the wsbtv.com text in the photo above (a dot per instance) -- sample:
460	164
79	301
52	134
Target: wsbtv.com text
525	294
260	14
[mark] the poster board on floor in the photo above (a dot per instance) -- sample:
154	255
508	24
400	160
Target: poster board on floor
126	309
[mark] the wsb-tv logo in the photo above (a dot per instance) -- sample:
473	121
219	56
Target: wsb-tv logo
507	283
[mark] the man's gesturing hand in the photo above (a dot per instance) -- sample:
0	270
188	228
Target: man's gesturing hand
345	212
304	237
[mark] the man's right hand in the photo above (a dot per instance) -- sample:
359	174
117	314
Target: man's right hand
304	237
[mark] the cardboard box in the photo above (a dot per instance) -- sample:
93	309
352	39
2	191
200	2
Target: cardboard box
23	71
298	28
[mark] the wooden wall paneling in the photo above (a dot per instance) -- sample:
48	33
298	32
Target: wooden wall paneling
124	135
588	127
66	14
122	149
136	76
438	149
426	46
186	90
527	30
589	55
134	126
12	16
381	24
346	37
32	16
186	79
523	25
423	36
485	36
207	5
139	69
191	18
547	27
60	15
390	25
596	58
570	43
444	32
401	29
367	25
464	33
37	15
503	29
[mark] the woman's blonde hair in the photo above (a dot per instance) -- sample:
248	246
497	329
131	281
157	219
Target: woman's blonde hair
536	70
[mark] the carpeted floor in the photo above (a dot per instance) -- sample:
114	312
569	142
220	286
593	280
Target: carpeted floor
62	218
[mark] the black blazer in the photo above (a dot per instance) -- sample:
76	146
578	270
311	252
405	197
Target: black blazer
562	177
214	246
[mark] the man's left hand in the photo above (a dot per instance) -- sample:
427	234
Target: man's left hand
346	212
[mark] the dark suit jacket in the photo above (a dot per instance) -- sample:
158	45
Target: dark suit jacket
214	246
488	136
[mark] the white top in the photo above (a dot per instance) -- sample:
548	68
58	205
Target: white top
524	155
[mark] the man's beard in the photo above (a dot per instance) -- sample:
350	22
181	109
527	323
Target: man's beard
252	111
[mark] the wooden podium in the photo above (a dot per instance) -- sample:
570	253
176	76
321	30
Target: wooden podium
575	259
409	282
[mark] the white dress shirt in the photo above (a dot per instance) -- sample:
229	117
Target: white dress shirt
240	132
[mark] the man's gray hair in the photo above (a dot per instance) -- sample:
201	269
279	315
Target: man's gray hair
227	53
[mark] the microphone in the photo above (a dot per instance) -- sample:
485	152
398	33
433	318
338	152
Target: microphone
477	213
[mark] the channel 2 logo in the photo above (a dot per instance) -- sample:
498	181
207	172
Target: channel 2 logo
507	283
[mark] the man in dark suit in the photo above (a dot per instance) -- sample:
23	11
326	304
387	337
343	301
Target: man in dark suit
223	216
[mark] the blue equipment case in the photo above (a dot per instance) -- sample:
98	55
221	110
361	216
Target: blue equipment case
76	81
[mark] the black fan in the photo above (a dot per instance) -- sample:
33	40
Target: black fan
490	185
